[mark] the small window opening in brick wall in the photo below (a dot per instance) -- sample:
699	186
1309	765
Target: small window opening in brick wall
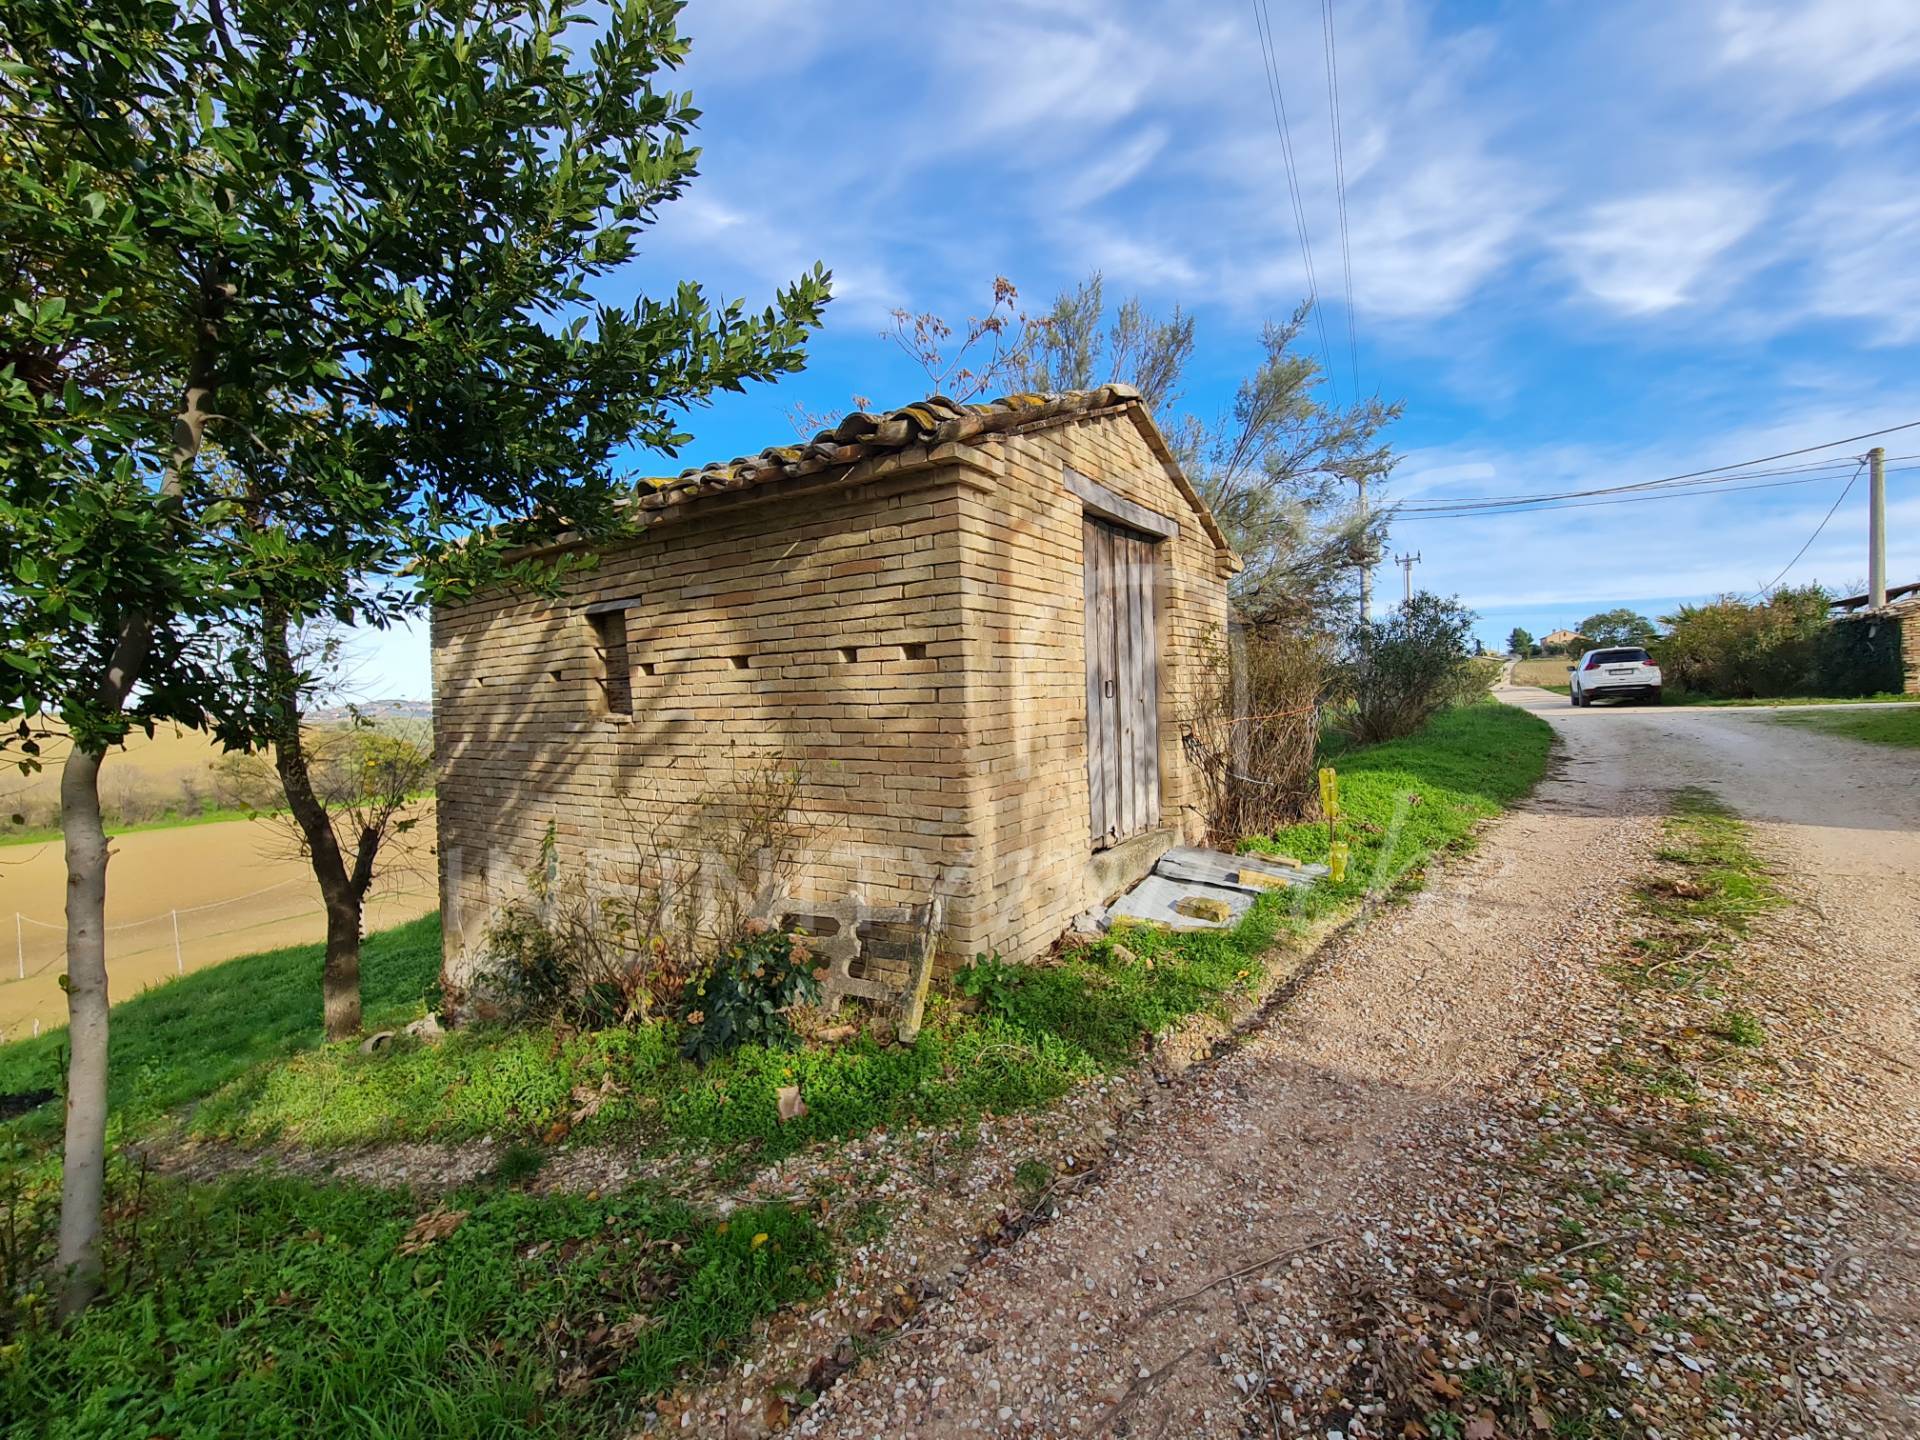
740	662
610	629
910	650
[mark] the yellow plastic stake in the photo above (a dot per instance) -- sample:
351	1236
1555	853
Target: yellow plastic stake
1337	861
1330	801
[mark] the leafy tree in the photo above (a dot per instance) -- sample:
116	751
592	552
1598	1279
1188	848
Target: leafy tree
1280	468
1618	627
1520	642
1279	471
352	248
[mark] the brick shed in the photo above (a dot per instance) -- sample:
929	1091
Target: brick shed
977	629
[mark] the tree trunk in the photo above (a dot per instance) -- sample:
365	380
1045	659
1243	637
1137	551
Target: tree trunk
84	1159
343	892
83	1174
340	976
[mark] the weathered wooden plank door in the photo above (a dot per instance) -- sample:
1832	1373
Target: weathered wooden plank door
1123	687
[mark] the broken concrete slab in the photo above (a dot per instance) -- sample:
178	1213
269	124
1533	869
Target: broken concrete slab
1203	907
1195	889
1154	900
1240	872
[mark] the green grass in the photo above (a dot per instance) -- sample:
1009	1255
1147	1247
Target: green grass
1058	1025
1881	727
1700	911
267	1306
1407	800
1690	697
1053	1026
184	1038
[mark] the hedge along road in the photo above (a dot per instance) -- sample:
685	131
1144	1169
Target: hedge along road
221	890
1284	1161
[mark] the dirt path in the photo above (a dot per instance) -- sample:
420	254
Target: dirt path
1195	1276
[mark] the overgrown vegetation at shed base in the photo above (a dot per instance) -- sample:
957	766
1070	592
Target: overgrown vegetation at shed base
1053	1026
268	1306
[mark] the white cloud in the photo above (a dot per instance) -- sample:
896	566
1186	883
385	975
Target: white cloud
1654	252
1037	73
1820	51
1103	175
1426	240
1863	235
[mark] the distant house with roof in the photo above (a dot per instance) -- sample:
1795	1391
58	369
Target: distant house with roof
976	628
1561	641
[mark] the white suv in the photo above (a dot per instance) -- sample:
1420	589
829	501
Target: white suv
1623	674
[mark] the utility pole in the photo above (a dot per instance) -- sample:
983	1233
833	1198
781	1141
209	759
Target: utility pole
1406	564
1876	527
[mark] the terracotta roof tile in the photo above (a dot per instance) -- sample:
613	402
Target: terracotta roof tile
862	436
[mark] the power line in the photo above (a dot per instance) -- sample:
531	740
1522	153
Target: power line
1340	184
1814	470
1494	513
1846	490
1263	24
1677	490
1748	467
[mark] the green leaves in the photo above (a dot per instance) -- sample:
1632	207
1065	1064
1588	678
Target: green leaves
357	249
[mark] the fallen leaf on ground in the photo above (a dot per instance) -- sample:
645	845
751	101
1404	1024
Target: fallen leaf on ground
436	1224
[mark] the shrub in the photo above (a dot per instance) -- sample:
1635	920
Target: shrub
622	945
560	953
1476	679
748	993
1399	672
1739	651
1255	731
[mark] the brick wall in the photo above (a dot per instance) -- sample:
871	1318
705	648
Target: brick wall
914	643
1028	725
811	630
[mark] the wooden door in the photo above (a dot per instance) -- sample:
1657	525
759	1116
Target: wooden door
1123	686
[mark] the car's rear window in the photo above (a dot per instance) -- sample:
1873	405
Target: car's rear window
1618	657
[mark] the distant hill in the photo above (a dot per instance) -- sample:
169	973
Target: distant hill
377	710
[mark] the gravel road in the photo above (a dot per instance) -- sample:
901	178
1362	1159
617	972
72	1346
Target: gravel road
1233	1202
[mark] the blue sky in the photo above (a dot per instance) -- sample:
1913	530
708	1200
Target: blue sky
1590	243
